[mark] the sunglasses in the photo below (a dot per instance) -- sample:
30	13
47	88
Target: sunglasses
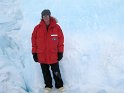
46	16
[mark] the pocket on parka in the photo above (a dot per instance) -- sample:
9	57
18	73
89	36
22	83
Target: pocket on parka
54	55
41	57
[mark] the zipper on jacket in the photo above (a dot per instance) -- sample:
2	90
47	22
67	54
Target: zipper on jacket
45	45
46	49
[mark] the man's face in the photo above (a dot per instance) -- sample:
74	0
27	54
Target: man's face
46	19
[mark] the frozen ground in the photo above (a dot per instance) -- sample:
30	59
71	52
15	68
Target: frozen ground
94	45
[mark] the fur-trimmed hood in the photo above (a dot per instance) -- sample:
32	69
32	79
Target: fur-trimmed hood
53	21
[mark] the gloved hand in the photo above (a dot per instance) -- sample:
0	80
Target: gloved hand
60	55
35	57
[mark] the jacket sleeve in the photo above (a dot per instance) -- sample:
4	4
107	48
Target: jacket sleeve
34	39
60	40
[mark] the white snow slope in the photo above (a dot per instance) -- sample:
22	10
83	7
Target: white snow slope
93	59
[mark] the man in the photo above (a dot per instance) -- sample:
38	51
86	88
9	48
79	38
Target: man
47	49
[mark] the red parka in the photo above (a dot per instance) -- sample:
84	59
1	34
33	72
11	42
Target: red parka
47	42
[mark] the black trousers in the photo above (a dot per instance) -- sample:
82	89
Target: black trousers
56	75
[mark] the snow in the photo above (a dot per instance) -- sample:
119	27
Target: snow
94	45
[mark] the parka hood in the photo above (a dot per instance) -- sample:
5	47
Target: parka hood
53	21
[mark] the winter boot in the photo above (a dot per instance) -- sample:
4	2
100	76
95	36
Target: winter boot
47	90
61	90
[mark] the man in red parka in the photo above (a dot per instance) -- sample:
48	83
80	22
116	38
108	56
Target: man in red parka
47	49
